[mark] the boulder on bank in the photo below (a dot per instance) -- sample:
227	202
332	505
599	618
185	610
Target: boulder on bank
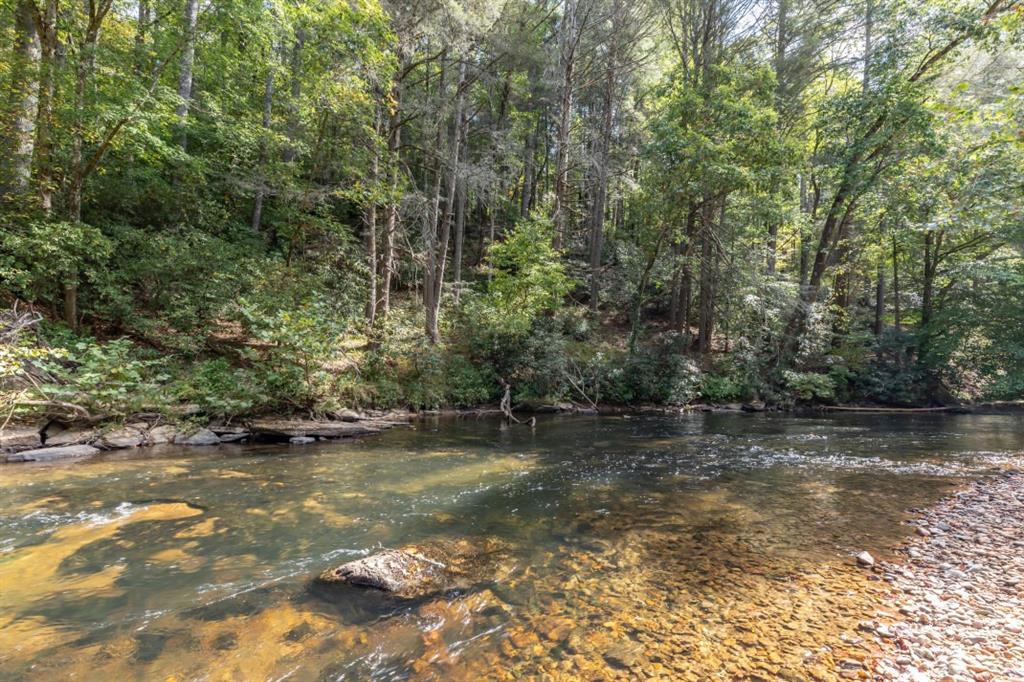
13	439
418	570
70	436
199	438
159	435
50	454
129	436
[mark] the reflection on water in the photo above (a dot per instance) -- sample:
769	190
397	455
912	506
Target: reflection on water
699	547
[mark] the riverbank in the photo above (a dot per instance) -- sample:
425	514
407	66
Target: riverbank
53	439
956	605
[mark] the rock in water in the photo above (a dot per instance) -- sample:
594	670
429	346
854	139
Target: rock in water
865	559
418	570
393	570
49	454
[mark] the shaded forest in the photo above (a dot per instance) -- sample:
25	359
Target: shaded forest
298	207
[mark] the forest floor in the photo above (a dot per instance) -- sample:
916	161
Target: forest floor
960	591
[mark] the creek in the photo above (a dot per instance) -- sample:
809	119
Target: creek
705	546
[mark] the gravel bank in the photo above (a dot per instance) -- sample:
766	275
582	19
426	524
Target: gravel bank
958	598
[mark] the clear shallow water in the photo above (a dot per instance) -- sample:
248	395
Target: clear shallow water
697	547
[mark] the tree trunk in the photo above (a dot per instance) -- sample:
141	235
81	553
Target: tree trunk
83	72
460	230
880	299
439	233
932	245
289	153
529	164
686	275
261	180
46	27
897	321
679	314
567	40
708	267
188	54
141	29
24	100
603	158
391	208
370	220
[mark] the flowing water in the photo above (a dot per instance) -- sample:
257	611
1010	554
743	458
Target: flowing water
693	547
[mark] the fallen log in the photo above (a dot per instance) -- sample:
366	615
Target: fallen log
841	408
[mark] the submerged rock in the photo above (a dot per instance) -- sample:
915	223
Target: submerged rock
865	559
418	570
48	454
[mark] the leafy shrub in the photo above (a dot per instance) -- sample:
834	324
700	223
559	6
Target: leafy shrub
720	388
296	349
219	389
526	278
809	385
109	378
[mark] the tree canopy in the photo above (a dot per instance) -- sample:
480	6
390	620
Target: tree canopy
301	205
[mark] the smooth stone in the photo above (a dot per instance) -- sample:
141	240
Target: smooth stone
164	433
234	437
49	454
71	437
622	655
125	437
418	570
20	438
199	438
301	440
865	559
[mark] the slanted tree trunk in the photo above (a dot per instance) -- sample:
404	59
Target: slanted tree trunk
861	168
188	55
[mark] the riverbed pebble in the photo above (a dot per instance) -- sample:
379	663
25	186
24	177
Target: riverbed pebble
960	598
